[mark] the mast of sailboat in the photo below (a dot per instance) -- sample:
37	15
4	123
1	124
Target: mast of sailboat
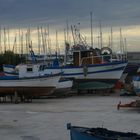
111	39
101	37
26	43
56	47
8	38
49	42
65	55
43	44
121	43
125	48
67	37
38	40
91	30
21	45
14	45
4	40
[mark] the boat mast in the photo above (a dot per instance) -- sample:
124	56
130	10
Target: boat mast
101	37
121	46
43	44
73	35
4	40
67	37
49	42
91	30
56	47
8	39
125	48
111	42
38	40
19	44
65	56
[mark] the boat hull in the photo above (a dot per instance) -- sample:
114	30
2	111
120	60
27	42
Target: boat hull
83	133
112	70
36	85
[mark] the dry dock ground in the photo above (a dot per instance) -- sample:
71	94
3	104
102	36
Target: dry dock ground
46	119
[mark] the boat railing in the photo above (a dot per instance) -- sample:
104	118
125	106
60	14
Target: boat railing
100	59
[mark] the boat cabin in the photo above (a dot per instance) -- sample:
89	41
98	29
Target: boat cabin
85	57
29	70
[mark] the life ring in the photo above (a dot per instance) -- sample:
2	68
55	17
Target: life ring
106	50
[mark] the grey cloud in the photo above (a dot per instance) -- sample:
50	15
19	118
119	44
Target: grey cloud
115	12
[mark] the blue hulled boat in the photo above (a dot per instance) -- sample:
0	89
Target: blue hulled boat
84	133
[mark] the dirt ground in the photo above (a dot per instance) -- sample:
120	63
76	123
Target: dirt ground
46	119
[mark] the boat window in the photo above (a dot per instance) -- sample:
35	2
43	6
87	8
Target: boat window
41	68
29	69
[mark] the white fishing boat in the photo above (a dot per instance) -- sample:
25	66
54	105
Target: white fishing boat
34	70
29	81
87	65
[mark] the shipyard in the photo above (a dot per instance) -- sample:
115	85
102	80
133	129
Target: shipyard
69	70
47	118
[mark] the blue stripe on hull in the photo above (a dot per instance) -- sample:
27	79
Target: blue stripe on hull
9	66
92	65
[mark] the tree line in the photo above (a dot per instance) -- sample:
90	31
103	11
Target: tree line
10	57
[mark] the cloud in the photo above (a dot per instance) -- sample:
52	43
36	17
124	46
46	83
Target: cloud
116	12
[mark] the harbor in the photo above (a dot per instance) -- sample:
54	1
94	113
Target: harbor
47	118
69	70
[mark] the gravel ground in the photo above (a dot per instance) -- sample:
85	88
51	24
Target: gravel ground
46	119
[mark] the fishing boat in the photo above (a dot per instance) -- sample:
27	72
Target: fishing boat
84	133
29	81
39	85
37	69
88	65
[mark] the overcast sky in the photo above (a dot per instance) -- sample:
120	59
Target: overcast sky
116	13
21	12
